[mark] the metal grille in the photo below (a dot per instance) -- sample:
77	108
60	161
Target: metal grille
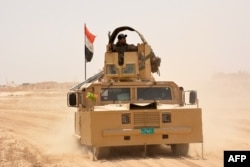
146	119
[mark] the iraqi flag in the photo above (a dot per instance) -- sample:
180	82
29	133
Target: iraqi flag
89	47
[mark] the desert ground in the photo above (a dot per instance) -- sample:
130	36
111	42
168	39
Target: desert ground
36	128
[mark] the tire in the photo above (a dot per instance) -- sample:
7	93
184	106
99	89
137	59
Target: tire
180	149
100	152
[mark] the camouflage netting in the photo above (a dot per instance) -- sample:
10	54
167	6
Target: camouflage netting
155	63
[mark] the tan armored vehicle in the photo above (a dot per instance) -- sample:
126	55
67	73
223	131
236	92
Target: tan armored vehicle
125	106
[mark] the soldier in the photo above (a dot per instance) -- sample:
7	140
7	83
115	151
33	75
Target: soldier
121	46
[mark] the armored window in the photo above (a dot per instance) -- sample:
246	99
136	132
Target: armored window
156	93
115	94
110	69
129	69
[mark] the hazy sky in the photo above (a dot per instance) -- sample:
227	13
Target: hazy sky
43	40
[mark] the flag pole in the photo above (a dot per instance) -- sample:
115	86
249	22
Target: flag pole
85	68
89	51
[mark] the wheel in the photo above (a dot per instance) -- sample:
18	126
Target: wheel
100	152
180	149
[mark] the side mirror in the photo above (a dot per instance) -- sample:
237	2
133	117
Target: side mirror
72	99
192	97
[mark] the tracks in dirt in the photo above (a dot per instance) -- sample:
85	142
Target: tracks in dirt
158	156
155	161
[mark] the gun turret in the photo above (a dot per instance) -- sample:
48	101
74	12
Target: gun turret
132	63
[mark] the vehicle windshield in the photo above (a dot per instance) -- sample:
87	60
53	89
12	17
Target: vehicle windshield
115	94
154	93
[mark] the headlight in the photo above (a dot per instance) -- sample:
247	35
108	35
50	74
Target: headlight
125	118
166	117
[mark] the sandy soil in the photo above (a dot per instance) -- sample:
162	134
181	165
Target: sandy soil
36	128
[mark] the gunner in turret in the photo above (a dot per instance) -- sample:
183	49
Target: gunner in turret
122	46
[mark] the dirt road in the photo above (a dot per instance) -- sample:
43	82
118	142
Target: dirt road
36	128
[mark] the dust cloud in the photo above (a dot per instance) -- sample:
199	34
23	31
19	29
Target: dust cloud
226	118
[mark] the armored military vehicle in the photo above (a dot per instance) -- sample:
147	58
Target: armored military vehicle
124	105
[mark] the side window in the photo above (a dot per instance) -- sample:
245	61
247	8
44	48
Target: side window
157	93
115	94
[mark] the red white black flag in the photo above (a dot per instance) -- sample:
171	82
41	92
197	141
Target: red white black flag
89	47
